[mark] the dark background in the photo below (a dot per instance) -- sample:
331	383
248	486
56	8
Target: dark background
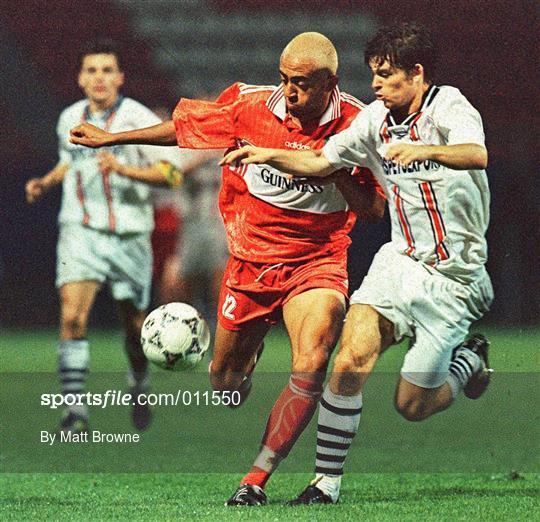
488	49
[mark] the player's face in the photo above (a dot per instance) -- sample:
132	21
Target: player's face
100	78
307	89
395	87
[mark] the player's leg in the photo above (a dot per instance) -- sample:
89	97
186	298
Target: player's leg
76	300
130	281
80	271
314	320
468	370
374	321
366	335
234	355
169	290
243	322
132	319
434	370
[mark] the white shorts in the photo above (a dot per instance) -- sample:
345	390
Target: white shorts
432	309
123	261
203	248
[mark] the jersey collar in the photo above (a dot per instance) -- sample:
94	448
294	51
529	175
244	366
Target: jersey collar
106	114
429	96
276	103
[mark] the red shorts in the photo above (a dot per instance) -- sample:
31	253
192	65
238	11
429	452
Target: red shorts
255	291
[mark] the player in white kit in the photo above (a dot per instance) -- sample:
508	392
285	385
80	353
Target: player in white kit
105	224
425	145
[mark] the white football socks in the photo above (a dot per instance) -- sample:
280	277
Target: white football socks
339	417
74	359
464	364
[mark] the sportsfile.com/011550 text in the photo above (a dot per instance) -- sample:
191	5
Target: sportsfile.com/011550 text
119	398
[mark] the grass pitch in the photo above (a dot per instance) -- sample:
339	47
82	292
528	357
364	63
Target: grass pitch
477	461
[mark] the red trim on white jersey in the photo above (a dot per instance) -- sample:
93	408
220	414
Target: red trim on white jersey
385	135
105	177
80	197
436	220
404	222
108	197
412	127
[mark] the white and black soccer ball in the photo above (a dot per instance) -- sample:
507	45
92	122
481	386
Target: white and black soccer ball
175	336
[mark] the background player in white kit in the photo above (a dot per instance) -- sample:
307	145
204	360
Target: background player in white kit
105	224
425	145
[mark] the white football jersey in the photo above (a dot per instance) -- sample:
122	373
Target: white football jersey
110	202
439	215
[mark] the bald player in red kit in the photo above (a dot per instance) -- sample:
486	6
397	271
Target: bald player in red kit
288	239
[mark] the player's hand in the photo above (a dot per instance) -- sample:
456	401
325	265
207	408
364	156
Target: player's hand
89	136
404	154
107	163
34	189
246	155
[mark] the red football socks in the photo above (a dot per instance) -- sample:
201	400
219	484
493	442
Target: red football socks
290	415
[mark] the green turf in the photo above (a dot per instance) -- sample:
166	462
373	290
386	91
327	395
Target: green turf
200	497
438	470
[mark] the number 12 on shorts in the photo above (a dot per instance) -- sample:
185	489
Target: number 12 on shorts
229	305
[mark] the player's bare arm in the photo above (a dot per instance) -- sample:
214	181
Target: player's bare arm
363	199
37	187
162	173
460	157
94	137
305	163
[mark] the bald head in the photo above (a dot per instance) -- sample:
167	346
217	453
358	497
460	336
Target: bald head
314	49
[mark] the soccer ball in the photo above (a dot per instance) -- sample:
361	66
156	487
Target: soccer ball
175	336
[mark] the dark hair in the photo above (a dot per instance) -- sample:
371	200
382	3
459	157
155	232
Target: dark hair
403	45
99	46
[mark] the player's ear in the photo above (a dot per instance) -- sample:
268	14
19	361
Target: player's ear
417	73
332	82
121	78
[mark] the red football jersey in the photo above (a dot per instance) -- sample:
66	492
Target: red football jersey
268	217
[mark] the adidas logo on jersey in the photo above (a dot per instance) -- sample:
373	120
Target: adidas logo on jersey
297	146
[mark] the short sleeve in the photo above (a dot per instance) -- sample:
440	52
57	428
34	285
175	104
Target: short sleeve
458	121
352	147
203	124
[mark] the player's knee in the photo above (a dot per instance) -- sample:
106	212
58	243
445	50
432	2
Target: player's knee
314	362
133	333
349	361
347	379
411	409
